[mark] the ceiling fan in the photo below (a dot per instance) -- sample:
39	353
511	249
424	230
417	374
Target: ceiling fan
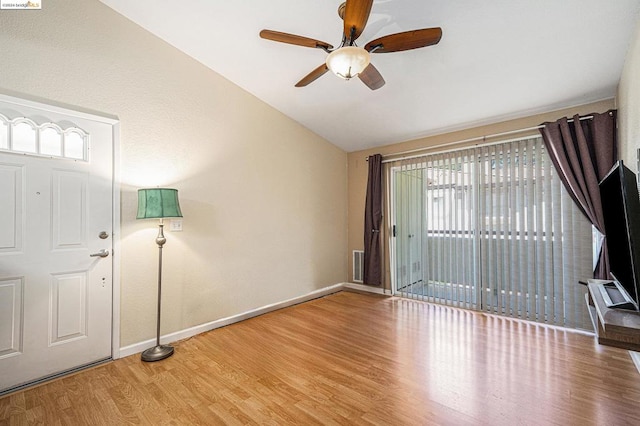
348	60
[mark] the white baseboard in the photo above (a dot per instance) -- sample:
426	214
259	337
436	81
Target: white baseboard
189	332
635	356
367	288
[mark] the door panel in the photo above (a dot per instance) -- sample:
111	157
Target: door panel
55	299
10	316
69	215
68	307
408	221
11	212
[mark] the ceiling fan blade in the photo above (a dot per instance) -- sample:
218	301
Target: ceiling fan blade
356	15
405	41
372	77
313	75
294	39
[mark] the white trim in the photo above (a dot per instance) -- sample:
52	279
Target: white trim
366	288
635	357
115	232
202	328
46	105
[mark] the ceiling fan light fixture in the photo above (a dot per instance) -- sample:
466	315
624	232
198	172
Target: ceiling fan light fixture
347	62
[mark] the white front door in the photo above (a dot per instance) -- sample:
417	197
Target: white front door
56	195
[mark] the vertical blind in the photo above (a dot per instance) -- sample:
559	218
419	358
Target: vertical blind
491	228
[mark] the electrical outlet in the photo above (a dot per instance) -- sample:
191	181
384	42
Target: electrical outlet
176	225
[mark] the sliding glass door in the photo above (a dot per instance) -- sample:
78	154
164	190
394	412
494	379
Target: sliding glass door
408	229
492	229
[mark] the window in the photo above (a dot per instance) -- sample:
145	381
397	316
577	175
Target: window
24	136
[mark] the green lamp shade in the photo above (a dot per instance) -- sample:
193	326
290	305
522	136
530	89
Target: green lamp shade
154	203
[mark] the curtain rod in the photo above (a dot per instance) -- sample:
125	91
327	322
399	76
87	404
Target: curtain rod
462	148
478	138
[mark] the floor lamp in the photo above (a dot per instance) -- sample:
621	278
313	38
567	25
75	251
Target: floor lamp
158	203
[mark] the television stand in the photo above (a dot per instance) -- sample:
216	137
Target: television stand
613	327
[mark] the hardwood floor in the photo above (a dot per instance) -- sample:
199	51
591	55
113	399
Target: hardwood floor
351	358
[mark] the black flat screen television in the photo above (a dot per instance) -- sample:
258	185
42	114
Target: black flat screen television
621	210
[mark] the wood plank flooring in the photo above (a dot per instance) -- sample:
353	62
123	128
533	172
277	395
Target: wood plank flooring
355	359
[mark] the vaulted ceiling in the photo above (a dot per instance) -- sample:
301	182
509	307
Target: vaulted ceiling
498	59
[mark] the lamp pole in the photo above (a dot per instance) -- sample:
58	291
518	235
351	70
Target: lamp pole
159	351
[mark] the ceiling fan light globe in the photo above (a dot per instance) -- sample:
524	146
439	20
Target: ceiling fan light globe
348	62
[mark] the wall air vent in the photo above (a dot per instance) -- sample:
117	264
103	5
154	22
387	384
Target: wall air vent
358	266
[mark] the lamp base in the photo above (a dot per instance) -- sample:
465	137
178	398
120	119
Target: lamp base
157	353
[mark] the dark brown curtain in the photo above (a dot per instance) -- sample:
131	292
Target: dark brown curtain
372	223
583	152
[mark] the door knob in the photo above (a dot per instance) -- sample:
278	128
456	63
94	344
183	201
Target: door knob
101	253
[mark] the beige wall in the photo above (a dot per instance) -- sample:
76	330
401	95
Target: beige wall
358	164
264	199
628	101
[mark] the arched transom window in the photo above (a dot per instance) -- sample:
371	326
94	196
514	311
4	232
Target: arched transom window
24	136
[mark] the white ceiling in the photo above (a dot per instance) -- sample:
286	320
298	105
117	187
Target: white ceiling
498	59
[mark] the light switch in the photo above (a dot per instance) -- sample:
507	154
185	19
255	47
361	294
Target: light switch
176	225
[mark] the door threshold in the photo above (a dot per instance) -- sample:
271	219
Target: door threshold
54	376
